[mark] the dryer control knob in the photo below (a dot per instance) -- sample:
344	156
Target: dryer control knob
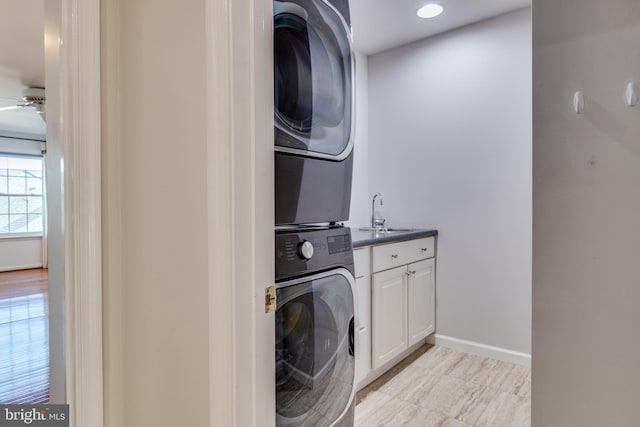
305	250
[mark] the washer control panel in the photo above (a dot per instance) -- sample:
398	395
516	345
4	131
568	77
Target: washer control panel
305	251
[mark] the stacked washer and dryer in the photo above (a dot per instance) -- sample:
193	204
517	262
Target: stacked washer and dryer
315	284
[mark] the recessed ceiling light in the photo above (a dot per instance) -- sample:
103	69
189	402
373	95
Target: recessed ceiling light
430	10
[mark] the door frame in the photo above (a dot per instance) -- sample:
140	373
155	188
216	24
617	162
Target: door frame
240	208
74	47
241	217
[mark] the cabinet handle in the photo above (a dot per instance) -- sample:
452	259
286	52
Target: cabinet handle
424	249
394	256
412	272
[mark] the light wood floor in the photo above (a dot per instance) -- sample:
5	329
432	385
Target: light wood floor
438	386
24	337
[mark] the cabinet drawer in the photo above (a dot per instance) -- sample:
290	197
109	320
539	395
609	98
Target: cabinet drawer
396	254
422	248
361	262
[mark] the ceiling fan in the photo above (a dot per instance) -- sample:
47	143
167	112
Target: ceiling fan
32	97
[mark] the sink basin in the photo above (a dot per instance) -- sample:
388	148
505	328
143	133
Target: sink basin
387	230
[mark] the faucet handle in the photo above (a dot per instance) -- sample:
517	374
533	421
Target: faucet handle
379	222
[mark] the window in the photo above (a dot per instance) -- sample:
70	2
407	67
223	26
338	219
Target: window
21	189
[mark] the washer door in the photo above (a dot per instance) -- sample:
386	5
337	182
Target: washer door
315	362
313	73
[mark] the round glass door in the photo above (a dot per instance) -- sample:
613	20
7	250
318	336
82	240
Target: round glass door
313	76
314	351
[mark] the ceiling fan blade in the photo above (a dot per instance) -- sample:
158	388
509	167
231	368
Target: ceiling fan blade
12	107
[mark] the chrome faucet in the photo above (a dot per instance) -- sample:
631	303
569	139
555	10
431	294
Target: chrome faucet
376	222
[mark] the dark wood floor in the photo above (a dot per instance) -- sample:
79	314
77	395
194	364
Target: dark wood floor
24	337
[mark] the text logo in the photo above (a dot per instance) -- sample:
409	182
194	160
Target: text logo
34	415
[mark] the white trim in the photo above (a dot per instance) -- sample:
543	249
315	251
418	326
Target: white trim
54	189
483	350
240	212
252	26
9	236
20	267
222	367
113	224
80	110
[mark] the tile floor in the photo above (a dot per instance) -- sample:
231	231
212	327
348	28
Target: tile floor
438	386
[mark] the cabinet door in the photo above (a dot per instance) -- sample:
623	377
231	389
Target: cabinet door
361	261
389	315
363	353
421	300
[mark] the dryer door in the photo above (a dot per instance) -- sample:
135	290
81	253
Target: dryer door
315	362
314	82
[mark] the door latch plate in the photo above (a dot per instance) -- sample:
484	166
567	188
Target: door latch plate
270	299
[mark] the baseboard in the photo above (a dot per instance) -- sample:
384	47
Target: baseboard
20	267
483	350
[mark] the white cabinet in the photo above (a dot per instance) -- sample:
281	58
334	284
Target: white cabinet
389	320
361	261
403	310
401	253
363	321
396	302
363	353
421	300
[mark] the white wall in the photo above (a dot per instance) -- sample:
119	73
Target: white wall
17	253
359	214
586	270
450	149
155	214
20	146
23	252
187	213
